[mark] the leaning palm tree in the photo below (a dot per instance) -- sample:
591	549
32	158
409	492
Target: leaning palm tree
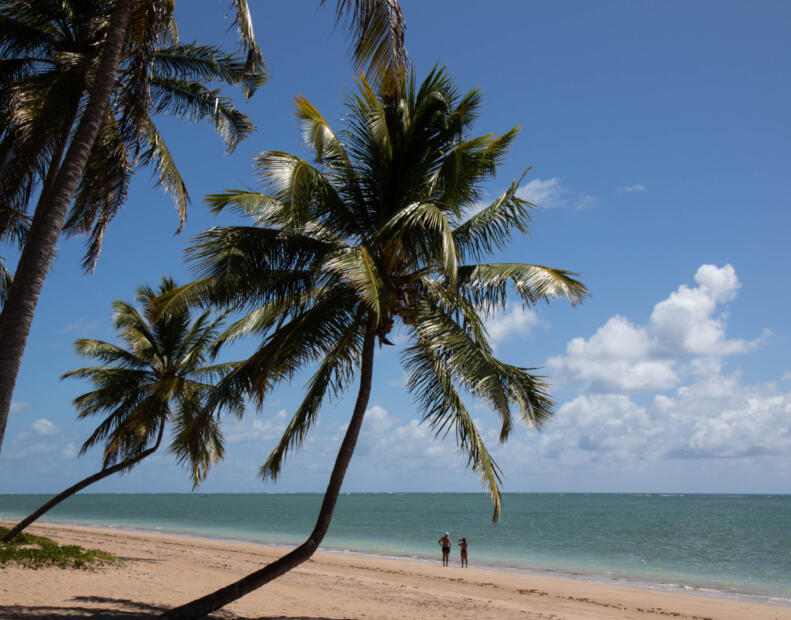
118	37
381	231
159	377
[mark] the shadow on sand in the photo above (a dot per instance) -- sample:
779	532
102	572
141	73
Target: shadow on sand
117	609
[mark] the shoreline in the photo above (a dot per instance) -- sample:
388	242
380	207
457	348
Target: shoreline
348	584
620	580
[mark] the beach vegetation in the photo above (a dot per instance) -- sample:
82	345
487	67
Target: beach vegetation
30	551
386	228
159	377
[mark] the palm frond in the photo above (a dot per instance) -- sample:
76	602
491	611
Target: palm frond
491	228
196	102
334	374
423	229
357	267
168	175
195	62
486	285
442	408
377	29
254	64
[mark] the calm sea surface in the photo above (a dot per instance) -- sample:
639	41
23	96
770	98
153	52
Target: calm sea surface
727	544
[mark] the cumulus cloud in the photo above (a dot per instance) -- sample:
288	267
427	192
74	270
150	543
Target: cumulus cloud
685	333
631	189
717	417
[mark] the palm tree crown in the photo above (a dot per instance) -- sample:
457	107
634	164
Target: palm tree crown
377	232
51	50
160	375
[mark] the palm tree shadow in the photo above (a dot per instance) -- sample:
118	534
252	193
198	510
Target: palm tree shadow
122	609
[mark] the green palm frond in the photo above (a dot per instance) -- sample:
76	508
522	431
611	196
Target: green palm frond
168	175
425	232
357	267
197	442
205	63
297	342
471	362
320	138
254	63
486	285
108	353
491	228
443	409
261	320
334	374
377	29
196	102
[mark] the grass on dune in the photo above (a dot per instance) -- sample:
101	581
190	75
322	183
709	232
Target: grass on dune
32	551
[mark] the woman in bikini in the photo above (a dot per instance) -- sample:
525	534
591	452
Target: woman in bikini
463	547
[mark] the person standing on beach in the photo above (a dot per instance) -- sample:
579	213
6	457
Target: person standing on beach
463	547
445	544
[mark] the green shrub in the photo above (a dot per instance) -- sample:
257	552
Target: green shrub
38	551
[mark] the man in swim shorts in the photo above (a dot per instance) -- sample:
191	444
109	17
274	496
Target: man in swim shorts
445	544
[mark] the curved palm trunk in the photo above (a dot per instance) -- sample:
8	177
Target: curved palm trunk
211	602
48	220
109	471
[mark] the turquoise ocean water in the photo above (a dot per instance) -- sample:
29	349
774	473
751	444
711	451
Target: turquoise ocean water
718	544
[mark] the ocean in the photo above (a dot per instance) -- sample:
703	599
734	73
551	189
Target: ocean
733	545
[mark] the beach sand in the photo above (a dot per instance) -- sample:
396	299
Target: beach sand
160	571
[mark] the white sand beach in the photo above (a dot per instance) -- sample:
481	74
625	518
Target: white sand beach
160	571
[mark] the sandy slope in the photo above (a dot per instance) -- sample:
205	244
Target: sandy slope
160	571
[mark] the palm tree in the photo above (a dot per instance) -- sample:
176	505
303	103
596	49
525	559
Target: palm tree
381	231
158	377
60	57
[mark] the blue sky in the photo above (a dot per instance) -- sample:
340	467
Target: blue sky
658	135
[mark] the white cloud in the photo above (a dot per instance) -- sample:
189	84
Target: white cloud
257	429
622	356
552	194
81	324
546	193
585	202
514	320
43	426
717	417
18	406
631	189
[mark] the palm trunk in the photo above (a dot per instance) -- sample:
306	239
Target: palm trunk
48	220
214	601
108	471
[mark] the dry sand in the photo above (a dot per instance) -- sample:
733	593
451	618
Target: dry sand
162	570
